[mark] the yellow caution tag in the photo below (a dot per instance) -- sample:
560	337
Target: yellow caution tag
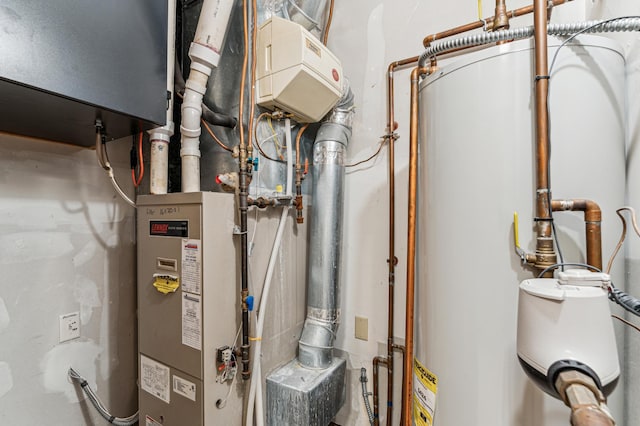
166	284
425	388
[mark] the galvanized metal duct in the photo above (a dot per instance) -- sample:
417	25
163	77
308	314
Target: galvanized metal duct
329	149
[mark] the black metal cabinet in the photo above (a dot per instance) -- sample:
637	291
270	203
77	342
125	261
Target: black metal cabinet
64	63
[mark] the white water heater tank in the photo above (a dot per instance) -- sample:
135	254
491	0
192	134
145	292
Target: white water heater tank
295	72
477	159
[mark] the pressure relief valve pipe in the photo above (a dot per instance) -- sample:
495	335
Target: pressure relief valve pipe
204	53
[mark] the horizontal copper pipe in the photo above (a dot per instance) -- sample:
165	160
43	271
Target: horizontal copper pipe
592	220
480	24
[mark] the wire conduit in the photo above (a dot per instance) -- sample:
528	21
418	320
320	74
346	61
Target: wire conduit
603	26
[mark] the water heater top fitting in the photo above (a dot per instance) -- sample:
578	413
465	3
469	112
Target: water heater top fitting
565	324
295	72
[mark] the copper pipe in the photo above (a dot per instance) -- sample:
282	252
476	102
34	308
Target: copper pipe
545	253
592	220
411	244
325	37
392	261
401	349
480	24
377	361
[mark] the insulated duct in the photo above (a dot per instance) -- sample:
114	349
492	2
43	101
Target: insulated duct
311	389
329	149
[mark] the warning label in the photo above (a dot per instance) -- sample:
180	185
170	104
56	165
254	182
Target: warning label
155	378
425	388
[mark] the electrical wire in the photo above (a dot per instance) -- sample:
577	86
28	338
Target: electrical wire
629	323
624	232
97	403
384	139
137	180
103	160
258	145
584	30
555	265
479	10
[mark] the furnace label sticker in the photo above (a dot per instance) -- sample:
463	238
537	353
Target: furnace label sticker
191	321
155	379
169	228
425	388
184	387
191	265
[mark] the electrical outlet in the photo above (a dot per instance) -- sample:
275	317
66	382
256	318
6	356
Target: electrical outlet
69	326
362	328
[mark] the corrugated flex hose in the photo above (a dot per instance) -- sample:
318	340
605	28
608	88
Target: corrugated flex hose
118	421
365	394
628	302
623	24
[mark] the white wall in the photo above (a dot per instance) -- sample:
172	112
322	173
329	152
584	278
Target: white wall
66	245
367	36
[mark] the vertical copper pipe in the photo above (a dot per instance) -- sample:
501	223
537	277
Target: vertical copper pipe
545	254
391	261
377	361
411	244
592	220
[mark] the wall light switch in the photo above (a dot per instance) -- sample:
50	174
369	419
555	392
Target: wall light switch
362	328
69	326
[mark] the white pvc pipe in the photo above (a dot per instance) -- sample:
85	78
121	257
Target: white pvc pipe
205	54
212	26
256	376
160	137
195	89
255	390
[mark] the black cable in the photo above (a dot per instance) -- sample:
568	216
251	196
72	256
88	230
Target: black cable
555	265
628	302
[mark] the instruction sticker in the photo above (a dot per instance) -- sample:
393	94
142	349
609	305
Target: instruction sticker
155	378
191	321
184	387
425	388
166	284
191	265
